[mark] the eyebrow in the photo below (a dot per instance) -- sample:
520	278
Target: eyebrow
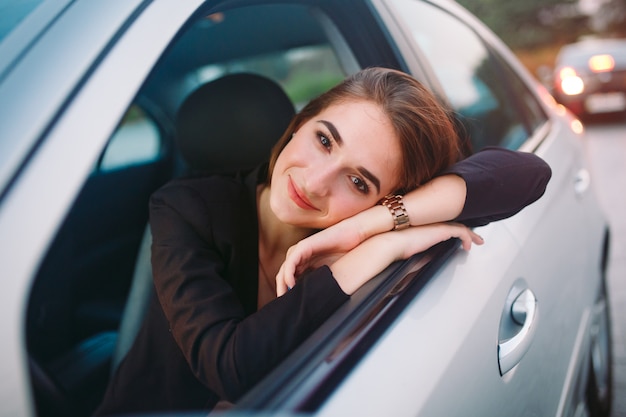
338	139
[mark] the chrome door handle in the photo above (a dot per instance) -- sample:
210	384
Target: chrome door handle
522	312
581	181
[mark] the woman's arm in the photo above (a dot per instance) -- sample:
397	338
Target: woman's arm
500	183
369	258
439	200
490	185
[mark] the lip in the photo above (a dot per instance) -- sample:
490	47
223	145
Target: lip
298	197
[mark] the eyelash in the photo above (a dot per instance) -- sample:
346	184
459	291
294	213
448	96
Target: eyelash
359	183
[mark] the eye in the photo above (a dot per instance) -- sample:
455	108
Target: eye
324	140
360	185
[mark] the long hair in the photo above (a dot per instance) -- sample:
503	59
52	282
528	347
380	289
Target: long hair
425	128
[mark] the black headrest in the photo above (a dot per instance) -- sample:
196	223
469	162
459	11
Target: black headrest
231	123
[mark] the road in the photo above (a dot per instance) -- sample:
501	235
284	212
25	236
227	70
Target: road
606	146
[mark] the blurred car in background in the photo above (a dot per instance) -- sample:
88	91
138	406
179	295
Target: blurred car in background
590	76
90	93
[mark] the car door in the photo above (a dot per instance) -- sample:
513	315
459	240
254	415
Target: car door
458	347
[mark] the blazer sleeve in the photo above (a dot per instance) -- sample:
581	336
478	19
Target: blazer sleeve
192	252
500	183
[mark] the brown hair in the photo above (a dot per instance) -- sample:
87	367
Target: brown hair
426	130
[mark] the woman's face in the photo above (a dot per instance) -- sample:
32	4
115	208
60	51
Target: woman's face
337	164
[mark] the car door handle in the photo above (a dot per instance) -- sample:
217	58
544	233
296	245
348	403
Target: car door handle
582	181
522	312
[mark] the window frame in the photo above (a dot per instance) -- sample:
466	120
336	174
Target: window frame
499	56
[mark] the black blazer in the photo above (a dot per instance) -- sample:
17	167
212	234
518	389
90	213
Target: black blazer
202	339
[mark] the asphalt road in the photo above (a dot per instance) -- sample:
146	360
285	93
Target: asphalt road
606	146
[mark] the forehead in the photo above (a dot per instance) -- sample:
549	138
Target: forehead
363	111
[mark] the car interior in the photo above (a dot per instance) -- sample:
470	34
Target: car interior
219	98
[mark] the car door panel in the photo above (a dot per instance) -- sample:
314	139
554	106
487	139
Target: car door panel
561	264
446	343
445	340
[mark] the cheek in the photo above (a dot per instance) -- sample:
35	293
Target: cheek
294	153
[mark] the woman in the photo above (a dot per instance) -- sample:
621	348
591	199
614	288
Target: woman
224	315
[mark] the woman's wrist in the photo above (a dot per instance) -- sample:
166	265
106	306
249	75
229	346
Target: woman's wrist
363	262
373	221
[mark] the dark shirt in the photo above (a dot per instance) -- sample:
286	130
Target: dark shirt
203	339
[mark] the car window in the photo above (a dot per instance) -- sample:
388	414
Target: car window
136	141
299	53
471	76
303	72
529	107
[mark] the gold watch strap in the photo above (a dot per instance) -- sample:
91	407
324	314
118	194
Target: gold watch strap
396	207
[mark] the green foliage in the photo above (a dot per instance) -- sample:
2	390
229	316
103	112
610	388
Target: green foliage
303	86
529	23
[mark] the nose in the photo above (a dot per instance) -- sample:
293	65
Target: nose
319	178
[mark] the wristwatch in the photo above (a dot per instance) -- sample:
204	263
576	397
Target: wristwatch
396	206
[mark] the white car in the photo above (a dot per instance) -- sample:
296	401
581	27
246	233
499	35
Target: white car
590	77
89	95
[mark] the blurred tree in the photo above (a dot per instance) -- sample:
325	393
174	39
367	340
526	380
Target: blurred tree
611	18
530	23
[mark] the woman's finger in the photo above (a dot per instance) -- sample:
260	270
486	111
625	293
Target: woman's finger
296	260
467	237
281	285
284	280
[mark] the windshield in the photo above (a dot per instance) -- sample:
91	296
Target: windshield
12	12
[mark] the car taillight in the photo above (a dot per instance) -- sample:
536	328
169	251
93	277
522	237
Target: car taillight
571	83
601	63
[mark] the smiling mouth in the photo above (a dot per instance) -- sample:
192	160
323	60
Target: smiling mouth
297	197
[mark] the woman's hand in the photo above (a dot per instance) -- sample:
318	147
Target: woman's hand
372	256
419	238
321	248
